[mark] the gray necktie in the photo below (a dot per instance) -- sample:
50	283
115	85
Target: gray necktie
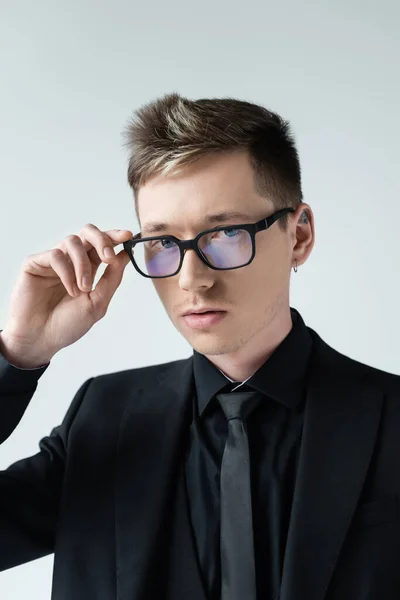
237	546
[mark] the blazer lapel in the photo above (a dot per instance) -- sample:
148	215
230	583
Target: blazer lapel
341	422
155	550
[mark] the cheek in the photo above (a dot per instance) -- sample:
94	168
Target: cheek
260	280
256	272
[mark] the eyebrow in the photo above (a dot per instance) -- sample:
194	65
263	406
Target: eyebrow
220	217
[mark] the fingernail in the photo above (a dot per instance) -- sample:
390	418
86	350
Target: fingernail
86	282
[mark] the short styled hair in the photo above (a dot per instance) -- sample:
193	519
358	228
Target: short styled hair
172	131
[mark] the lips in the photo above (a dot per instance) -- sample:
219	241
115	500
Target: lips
204	320
201	311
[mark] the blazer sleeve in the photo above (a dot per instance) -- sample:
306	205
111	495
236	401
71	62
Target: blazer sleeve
31	488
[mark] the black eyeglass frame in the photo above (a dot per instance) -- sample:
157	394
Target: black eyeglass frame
183	245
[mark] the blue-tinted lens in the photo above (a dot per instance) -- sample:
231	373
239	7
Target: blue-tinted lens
157	258
227	248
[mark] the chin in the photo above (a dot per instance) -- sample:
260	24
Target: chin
212	346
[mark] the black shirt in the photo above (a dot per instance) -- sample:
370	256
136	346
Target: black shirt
274	432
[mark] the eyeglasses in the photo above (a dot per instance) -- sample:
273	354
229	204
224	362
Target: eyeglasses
222	248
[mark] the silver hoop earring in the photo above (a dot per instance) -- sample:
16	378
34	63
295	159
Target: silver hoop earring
295	269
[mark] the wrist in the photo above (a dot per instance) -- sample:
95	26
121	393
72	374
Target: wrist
18	356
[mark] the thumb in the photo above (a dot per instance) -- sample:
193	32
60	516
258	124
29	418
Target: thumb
108	283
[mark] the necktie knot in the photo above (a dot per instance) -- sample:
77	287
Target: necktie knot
238	405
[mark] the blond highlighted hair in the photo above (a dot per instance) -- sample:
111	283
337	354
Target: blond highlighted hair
172	131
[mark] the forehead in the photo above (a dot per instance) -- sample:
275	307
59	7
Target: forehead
208	193
207	221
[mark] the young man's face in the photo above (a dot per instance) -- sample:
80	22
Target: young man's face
253	296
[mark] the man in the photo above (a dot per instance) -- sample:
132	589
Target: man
262	466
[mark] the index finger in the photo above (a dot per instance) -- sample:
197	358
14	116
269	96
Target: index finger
94	241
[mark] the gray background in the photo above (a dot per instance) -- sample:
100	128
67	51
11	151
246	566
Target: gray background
71	75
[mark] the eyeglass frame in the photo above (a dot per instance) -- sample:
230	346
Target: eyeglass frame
192	244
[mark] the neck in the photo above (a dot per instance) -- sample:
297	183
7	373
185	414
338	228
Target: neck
245	361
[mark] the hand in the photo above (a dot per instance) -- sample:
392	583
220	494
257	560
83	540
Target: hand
49	307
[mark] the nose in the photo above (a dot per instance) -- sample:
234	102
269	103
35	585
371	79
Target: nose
194	273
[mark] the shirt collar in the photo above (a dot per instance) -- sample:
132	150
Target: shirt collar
281	377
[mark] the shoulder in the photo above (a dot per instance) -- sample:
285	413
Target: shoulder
144	375
378	378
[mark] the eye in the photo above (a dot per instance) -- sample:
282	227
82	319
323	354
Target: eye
160	244
230	230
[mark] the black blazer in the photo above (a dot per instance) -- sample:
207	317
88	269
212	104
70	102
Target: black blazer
106	492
